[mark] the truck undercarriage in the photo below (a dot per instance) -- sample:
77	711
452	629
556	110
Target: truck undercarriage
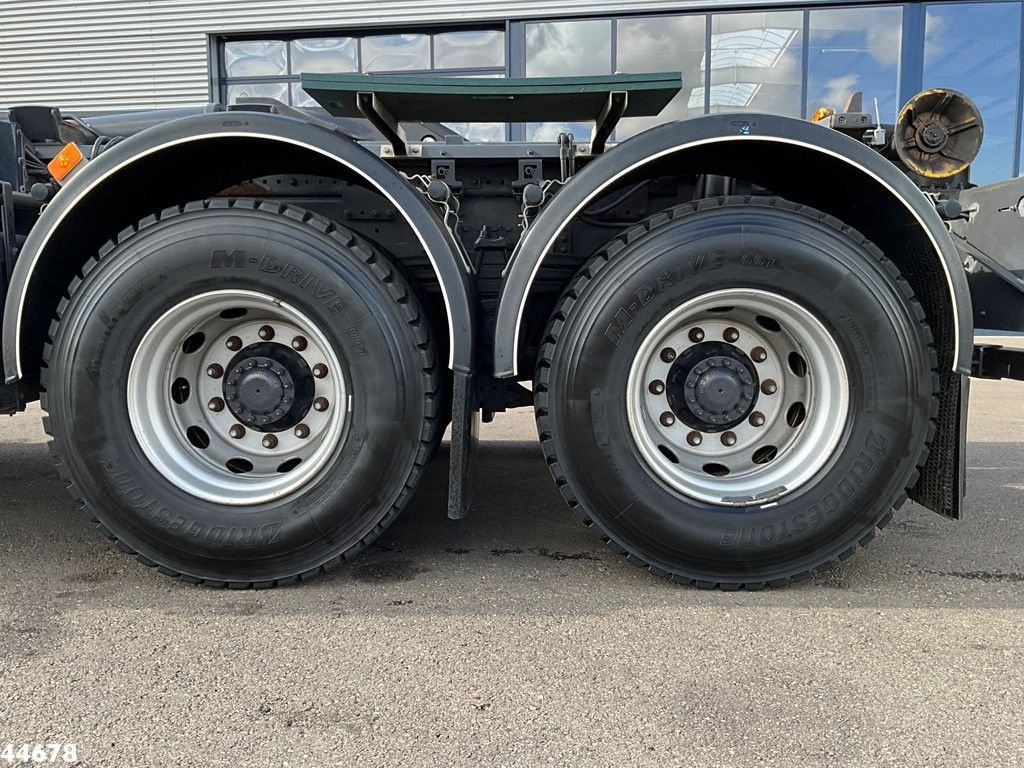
746	338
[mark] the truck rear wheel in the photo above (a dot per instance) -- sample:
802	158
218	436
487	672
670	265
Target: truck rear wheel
241	393
737	392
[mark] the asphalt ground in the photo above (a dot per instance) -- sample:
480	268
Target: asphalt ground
516	638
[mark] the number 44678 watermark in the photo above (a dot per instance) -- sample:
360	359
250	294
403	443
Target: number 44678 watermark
19	754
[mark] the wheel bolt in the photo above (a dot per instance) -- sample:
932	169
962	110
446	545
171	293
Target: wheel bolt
320	370
299	343
216	405
234	343
215	371
731	335
769	387
302	431
668	355
728	439
321	404
695	438
758	354
266	333
656	387
696	335
668	419
270	441
237	432
757	419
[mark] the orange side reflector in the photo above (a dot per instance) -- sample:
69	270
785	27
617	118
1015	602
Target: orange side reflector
65	161
822	113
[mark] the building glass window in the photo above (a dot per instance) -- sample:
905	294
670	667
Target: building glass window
566	49
255	58
396	53
975	48
270	90
855	49
325	54
472	49
663	44
272	68
755	63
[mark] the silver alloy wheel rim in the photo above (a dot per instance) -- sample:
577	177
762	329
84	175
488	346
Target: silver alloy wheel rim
189	440
803	419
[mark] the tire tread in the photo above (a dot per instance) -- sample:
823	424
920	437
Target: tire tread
394	283
564	307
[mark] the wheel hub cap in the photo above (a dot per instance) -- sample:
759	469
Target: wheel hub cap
268	387
712	387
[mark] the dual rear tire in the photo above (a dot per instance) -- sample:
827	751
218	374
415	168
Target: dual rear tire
242	393
736	392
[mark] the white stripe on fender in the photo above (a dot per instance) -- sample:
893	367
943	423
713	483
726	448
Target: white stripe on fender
81	194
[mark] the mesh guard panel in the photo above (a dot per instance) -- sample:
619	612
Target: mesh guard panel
940	486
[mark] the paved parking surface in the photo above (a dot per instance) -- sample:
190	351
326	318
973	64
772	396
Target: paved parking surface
516	638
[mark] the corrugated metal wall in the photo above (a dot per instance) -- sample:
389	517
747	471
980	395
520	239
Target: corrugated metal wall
127	54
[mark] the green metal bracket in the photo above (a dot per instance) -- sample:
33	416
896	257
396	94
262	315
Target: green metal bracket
387	100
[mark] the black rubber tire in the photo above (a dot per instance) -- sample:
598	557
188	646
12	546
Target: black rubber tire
378	326
830	269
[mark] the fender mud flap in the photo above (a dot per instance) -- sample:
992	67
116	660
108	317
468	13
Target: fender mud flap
943	480
465	435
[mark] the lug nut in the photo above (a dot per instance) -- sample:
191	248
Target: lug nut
320	370
216	405
266	333
668	355
237	432
758	354
668	419
234	343
270	441
215	371
302	431
695	438
728	439
769	387
299	343
731	335
757	419
321	404
696	335
656	387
